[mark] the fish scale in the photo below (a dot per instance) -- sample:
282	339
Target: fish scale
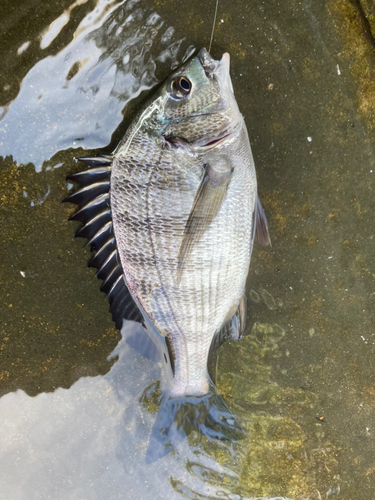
214	278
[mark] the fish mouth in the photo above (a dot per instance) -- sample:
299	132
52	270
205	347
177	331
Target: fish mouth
211	65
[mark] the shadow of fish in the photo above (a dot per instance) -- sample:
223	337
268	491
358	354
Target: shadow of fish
172	217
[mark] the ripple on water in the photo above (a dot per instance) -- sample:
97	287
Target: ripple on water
76	97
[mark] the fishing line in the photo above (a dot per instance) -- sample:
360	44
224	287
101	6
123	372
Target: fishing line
213	26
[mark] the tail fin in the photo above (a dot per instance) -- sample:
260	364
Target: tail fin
179	416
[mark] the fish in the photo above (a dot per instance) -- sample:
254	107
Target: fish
172	216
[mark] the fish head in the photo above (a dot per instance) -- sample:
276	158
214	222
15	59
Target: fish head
199	108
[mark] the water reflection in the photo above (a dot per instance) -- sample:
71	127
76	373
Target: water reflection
90	442
76	98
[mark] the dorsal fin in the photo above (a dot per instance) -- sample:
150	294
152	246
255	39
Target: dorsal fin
260	225
94	212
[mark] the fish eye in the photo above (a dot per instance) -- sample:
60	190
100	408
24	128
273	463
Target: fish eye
180	87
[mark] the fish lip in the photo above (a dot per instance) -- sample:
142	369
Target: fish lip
211	65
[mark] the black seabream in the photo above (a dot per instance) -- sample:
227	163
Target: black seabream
172	216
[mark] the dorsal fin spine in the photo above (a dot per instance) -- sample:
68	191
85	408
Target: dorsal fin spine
100	256
94	212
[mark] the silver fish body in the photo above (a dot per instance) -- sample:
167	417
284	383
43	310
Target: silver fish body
171	218
183	197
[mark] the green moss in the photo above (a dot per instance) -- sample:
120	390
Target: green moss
358	51
151	397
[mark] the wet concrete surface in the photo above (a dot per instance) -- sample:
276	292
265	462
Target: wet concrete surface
303	377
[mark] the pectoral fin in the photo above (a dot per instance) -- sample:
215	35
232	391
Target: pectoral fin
260	225
207	202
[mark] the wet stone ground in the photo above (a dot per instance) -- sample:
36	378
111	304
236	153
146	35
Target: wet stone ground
302	380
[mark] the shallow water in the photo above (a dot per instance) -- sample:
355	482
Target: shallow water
302	380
